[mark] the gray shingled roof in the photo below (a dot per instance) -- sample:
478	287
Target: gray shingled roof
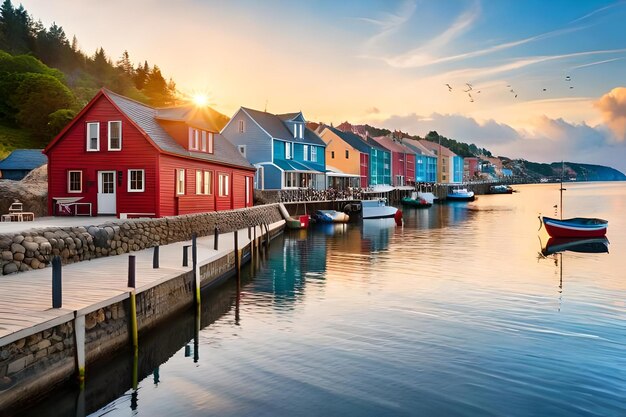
146	118
274	125
351	139
23	159
418	147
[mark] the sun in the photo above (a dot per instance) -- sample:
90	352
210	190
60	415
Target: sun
200	99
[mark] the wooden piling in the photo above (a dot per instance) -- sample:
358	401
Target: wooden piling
79	342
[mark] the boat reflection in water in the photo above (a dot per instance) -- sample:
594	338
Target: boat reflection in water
584	245
375	234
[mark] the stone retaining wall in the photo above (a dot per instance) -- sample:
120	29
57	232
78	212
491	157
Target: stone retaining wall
34	248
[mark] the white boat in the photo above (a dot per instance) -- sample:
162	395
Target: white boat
429	197
460	194
377	209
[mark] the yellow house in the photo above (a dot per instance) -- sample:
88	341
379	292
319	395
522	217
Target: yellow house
343	158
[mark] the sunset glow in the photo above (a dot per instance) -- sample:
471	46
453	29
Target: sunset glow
200	100
544	76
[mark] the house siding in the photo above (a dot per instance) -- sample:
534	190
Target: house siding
71	154
254	138
190	202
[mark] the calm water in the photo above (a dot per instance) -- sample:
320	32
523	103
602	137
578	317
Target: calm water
454	314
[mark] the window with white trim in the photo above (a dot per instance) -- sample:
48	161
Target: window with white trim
313	153
204	148
115	135
204	182
180	181
210	140
75	181
242	126
347	154
242	150
136	180
208	182
194	139
305	152
301	130
288	149
223	185
248	182
93	136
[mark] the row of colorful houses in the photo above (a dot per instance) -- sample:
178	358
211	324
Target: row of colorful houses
122	157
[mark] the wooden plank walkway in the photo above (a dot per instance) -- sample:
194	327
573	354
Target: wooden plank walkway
26	297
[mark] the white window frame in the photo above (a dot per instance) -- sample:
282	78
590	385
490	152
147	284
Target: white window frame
223	184
143	181
295	130
313	153
69	181
242	126
194	139
88	138
210	142
199	182
242	150
248	188
288	150
305	152
180	181
208	182
301	130
109	135
204	140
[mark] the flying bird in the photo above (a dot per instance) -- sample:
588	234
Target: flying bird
545	89
568	78
449	87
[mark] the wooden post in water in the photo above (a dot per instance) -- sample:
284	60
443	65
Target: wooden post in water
134	333
237	256
79	342
155	257
196	268
57	287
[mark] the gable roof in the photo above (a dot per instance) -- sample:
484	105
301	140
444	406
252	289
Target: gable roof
435	148
145	118
354	140
392	145
24	159
275	126
418	148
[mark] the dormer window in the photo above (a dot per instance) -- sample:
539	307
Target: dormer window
298	130
200	140
194	139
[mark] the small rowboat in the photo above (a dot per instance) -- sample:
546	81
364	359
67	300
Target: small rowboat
460	194
576	227
415	201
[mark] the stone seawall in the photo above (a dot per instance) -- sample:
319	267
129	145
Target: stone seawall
34	364
33	249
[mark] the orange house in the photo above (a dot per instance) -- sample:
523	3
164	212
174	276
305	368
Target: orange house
347	155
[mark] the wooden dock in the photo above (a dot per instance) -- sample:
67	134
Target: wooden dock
26	297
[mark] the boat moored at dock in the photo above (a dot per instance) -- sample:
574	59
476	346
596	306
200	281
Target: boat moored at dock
460	194
377	209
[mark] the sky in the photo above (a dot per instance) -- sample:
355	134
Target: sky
539	80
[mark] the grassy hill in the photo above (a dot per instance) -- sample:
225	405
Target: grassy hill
15	138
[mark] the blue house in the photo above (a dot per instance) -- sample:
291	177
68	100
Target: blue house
457	169
20	162
285	152
425	162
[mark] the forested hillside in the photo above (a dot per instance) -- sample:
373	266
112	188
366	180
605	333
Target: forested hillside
45	79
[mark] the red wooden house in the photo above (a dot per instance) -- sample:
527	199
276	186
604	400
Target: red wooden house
402	161
121	157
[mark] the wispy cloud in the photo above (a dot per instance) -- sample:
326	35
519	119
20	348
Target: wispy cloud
389	23
597	63
483	72
600	10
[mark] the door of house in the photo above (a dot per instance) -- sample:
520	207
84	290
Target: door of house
106	192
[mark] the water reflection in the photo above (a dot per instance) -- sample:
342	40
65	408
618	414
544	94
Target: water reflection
583	245
284	275
439	215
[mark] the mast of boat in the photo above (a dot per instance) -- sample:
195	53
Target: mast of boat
562	189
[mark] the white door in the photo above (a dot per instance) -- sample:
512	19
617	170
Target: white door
106	192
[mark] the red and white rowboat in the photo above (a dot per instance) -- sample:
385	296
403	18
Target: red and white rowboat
576	227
